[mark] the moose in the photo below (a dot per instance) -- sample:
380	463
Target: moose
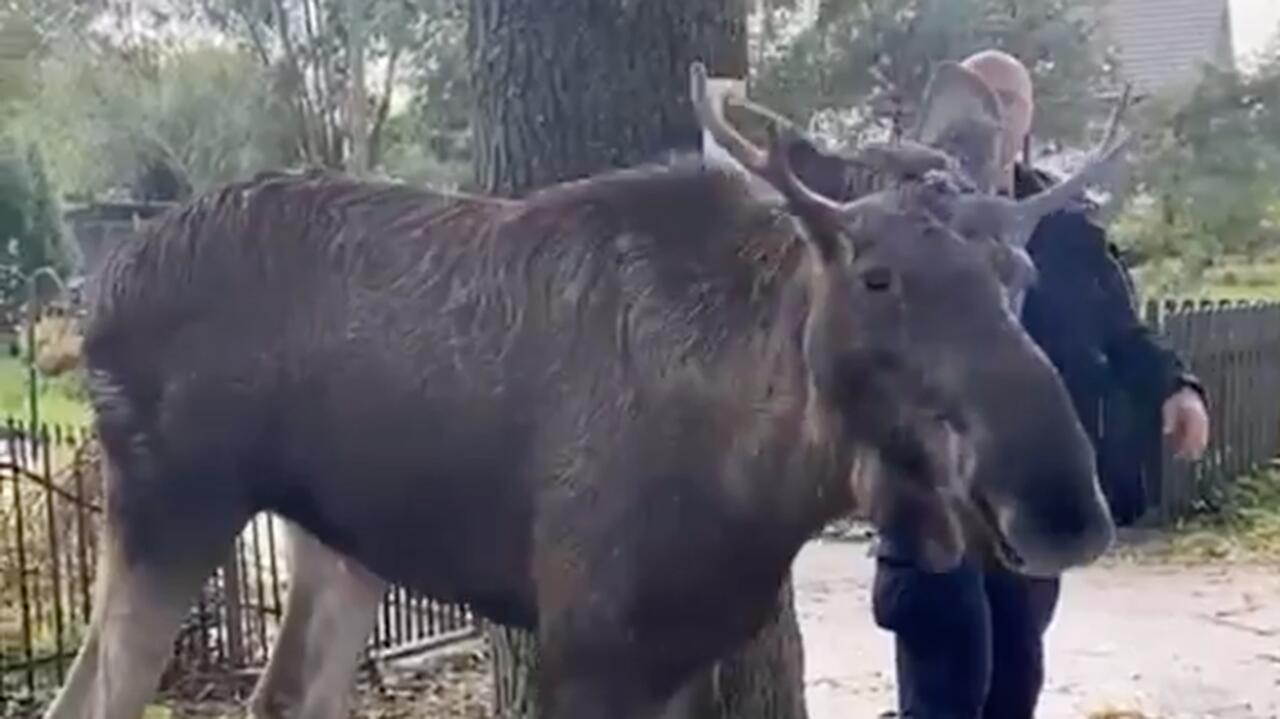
611	412
332	600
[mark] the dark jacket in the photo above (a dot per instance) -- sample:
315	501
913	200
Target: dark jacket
1081	311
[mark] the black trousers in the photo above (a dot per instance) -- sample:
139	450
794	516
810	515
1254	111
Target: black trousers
969	642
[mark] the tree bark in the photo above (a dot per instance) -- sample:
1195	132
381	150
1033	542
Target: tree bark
566	88
765	678
358	161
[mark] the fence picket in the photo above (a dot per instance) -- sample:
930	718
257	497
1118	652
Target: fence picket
1234	348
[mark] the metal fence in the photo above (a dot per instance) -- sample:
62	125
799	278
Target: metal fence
50	518
1234	348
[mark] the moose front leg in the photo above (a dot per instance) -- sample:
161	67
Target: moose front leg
331	609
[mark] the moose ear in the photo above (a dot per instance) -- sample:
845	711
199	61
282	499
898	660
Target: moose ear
961	117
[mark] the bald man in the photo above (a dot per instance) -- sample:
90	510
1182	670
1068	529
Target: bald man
969	643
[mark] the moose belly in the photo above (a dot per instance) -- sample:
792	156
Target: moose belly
425	492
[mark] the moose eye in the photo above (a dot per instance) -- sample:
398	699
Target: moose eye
877	279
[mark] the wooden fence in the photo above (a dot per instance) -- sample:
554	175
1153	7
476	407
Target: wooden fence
50	517
1234	348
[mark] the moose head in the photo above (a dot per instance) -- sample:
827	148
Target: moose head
965	432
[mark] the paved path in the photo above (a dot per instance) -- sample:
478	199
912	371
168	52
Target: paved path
1173	642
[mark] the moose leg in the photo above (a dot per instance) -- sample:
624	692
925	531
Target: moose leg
74	694
136	616
154	558
329	614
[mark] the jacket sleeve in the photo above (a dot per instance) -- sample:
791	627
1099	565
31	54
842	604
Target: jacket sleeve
1142	363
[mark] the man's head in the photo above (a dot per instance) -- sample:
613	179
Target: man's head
1011	82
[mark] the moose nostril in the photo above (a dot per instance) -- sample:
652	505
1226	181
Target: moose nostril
877	279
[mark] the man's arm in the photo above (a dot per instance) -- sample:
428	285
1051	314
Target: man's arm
1143	364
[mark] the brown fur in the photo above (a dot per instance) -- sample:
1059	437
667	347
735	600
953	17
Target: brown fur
612	412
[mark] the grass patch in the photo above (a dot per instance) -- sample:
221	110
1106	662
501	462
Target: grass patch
63	399
1244	281
1233	279
1245	528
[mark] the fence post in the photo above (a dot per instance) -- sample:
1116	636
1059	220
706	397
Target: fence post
234	609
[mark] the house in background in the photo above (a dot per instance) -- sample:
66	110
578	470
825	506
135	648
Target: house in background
97	227
1163	45
1159	46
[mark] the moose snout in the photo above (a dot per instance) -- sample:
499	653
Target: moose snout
1051	533
1037	476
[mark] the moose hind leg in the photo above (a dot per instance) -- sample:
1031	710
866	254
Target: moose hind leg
137	614
330	611
149	570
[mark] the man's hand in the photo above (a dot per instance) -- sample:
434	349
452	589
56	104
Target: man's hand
1186	424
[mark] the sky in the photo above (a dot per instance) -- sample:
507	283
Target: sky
1253	24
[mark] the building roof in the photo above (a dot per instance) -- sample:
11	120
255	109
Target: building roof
1165	42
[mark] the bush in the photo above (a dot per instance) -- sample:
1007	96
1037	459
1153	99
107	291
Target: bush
31	232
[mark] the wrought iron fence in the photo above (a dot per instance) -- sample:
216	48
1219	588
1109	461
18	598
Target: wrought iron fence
50	517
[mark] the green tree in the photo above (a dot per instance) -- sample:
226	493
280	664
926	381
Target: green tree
838	65
1205	184
149	116
31	235
431	141
336	62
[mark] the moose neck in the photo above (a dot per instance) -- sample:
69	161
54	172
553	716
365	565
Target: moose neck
725	292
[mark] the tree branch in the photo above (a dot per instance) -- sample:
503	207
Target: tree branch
306	104
384	108
255	37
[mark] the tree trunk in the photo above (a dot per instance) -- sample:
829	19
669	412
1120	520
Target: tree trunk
765	678
566	88
357	91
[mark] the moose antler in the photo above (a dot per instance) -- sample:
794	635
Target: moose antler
1016	220
900	160
1101	161
773	165
709	100
708	103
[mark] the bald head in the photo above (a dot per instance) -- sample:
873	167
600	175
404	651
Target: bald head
1011	82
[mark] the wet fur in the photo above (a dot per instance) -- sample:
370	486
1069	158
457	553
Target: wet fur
438	386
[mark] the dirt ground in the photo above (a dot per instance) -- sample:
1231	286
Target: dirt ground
1170	642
